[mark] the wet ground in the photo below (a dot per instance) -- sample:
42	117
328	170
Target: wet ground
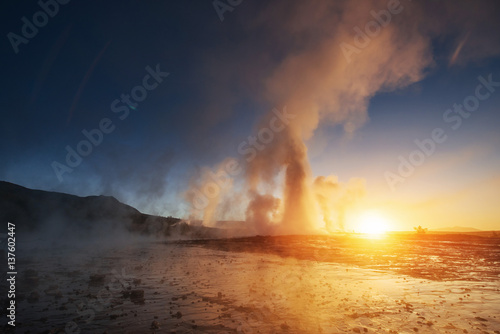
431	256
262	285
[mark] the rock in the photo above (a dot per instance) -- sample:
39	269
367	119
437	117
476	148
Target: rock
155	325
136	296
97	279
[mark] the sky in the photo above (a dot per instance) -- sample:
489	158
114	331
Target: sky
287	114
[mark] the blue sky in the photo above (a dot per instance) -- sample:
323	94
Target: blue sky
217	91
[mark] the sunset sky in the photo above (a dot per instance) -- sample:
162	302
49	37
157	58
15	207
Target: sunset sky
358	103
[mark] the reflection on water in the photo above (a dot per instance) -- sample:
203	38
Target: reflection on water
264	285
435	257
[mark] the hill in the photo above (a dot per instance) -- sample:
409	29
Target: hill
63	214
455	229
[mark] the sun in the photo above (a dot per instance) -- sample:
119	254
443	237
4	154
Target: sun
372	223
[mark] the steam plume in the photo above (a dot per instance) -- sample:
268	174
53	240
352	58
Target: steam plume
317	83
320	82
334	198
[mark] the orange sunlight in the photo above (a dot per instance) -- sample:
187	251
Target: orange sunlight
372	222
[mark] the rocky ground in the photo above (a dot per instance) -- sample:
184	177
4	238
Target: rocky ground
157	287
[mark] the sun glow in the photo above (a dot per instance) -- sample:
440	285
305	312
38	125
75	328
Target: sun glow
372	223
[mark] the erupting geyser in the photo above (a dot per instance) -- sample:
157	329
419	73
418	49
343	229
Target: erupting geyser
316	83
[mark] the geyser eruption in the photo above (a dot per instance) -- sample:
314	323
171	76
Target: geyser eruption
262	211
334	198
317	81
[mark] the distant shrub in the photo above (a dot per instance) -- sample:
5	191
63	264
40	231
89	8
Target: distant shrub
420	229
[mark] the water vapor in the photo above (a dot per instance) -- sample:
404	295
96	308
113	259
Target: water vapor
330	58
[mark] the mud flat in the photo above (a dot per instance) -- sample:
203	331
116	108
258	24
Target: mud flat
189	287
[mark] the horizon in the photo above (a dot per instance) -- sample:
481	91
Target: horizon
444	229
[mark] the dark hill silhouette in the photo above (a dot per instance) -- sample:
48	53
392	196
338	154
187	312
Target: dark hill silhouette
33	210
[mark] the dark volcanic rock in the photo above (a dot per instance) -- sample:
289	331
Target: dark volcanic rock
136	296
